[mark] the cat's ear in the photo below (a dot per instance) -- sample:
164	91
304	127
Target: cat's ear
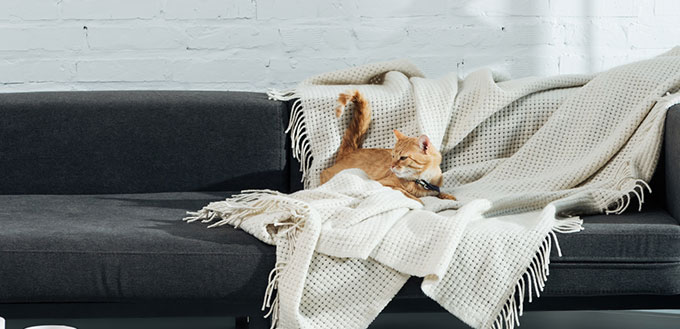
424	143
398	134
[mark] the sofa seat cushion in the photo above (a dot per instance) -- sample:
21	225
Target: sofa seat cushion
634	253
69	248
131	247
650	236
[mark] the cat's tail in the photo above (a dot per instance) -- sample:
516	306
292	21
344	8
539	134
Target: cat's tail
356	132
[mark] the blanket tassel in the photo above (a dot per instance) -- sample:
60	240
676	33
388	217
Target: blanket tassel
638	191
532	282
271	298
302	150
239	207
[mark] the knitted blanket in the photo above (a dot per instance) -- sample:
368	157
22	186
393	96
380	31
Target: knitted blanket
523	157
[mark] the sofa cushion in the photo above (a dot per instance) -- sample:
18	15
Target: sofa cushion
69	248
594	279
634	253
650	236
99	142
131	247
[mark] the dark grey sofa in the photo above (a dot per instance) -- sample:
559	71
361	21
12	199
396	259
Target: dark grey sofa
94	186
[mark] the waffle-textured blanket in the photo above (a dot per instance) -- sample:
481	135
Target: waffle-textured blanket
523	157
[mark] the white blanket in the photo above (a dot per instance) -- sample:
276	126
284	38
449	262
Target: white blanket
522	156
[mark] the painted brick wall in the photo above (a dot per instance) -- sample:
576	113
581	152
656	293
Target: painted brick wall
255	44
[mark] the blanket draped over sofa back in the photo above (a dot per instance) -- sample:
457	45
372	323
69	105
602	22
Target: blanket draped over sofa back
545	139
524	158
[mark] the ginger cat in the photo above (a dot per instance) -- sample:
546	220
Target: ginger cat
411	167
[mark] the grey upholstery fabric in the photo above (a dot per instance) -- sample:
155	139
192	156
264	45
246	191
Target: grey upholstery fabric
649	236
68	248
672	154
595	279
126	247
602	279
628	254
141	141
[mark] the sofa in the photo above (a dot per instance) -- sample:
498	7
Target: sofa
95	184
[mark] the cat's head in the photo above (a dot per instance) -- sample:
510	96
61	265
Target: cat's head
415	158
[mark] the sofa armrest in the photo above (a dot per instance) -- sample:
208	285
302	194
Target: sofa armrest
672	160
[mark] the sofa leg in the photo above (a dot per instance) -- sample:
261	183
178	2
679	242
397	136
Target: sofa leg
252	322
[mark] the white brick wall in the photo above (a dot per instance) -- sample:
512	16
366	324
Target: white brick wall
256	44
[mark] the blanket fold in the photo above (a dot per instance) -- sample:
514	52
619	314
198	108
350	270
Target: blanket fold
524	158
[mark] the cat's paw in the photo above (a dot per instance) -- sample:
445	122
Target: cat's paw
446	196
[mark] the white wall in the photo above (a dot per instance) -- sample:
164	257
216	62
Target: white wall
255	44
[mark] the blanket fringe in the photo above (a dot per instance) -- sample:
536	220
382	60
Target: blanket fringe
281	95
272	286
302	148
235	210
532	282
638	191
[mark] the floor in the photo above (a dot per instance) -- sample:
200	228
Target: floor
531	320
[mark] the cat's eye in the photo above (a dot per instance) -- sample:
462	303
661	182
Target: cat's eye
403	158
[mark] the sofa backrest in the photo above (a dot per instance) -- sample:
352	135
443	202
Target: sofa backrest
141	141
672	161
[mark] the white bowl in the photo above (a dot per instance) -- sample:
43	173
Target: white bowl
50	326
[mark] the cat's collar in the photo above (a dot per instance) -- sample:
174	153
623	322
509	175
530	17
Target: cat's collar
427	185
